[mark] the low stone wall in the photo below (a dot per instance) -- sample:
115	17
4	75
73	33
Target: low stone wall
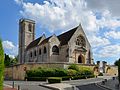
20	69
113	70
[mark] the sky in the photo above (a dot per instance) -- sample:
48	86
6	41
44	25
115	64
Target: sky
99	19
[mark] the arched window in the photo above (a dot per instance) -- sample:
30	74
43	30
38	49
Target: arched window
80	41
30	27
55	50
45	50
39	51
35	52
30	54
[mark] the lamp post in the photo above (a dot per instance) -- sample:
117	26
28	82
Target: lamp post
12	63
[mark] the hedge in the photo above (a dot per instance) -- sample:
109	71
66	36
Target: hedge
54	80
46	72
41	74
1	65
36	78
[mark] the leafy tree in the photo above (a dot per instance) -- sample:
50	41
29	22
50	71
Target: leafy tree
7	60
1	65
10	61
116	63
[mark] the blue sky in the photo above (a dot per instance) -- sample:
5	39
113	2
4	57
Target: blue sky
100	21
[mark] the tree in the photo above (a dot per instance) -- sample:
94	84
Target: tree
116	62
10	61
7	60
1	65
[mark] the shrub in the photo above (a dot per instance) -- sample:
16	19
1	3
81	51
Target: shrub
60	72
1	65
74	67
36	78
71	72
66	78
100	74
54	80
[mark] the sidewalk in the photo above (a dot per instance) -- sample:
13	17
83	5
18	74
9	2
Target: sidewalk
8	88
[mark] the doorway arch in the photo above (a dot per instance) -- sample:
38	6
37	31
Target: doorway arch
79	59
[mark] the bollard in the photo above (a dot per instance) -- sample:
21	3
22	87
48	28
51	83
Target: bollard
113	78
18	87
13	84
103	82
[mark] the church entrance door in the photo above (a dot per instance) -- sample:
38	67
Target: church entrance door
80	59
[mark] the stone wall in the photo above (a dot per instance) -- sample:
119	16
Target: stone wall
19	70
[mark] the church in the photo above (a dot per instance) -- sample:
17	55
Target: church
69	47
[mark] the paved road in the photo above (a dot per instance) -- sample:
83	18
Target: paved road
90	87
84	81
27	85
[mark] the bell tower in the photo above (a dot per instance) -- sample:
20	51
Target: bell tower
26	36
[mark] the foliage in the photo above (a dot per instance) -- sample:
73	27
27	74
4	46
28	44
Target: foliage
54	80
116	63
46	72
71	72
100	74
1	65
36	78
65	74
74	67
8	61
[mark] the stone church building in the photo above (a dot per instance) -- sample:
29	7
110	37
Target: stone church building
69	47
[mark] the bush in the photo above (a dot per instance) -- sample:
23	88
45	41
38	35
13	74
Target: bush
36	78
1	65
71	72
74	72
54	80
60	72
74	67
66	78
100	74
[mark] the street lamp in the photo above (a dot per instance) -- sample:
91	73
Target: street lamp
12	64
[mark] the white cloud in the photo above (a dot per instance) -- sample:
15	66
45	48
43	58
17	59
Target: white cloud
110	51
19	1
111	5
8	45
98	41
113	34
55	14
10	48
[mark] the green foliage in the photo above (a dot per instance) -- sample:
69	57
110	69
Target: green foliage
79	73
8	61
1	65
74	67
54	80
100	74
46	72
116	63
119	70
71	72
36	78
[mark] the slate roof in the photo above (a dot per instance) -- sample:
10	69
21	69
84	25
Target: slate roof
45	40
34	43
64	38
